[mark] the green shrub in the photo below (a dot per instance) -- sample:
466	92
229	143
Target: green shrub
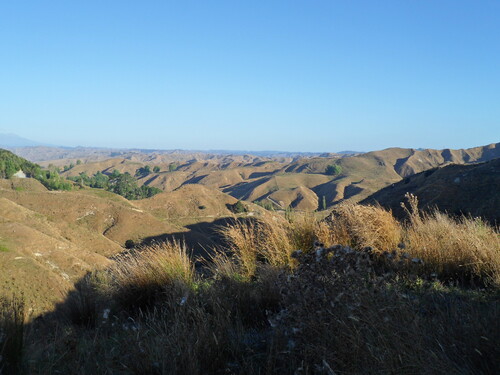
333	170
238	208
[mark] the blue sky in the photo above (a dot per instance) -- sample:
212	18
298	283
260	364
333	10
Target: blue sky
253	75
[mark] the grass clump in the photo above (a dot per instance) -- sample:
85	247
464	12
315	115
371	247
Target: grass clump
361	226
465	249
269	240
138	278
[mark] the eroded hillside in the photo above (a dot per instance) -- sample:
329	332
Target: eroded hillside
301	183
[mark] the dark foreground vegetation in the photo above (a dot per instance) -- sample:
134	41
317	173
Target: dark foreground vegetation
371	296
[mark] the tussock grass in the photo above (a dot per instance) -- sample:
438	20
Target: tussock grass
361	226
269	241
140	277
467	249
265	240
463	250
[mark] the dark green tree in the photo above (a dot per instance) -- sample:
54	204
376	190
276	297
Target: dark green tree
238	208
143	171
333	170
116	173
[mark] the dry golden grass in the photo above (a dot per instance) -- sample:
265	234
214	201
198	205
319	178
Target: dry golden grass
467	248
266	239
463	249
270	240
139	277
361	226
242	238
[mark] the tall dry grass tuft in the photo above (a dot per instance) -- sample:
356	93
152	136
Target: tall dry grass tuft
269	240
242	238
303	231
259	240
467	249
12	319
361	226
82	305
139	278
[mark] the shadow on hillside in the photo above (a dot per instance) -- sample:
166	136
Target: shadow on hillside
194	180
84	305
200	238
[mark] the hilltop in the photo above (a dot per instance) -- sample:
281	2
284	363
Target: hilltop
456	189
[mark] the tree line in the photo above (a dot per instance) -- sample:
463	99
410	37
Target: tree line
123	184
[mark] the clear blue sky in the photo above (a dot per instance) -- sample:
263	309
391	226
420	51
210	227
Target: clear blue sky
253	75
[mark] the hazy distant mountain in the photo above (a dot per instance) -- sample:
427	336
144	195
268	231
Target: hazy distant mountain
13	140
42	153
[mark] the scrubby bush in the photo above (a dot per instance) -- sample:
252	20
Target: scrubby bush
238	208
129	244
333	169
143	171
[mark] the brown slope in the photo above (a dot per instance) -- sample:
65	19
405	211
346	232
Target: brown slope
96	218
48	239
470	189
188	201
39	260
300	198
105	166
409	161
22	184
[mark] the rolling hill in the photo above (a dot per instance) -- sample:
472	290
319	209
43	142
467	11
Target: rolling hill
300	183
456	189
49	239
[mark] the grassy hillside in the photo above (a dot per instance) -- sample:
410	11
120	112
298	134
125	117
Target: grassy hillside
457	189
368	296
10	164
59	236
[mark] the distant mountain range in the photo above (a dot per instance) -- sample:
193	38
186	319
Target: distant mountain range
13	140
